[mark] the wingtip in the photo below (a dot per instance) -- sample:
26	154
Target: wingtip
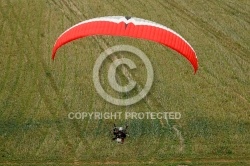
53	57
195	69
53	54
195	65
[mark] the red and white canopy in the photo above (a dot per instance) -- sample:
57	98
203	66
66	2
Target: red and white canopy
129	27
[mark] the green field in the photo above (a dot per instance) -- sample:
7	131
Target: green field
36	93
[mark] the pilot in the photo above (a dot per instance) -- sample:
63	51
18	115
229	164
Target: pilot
120	134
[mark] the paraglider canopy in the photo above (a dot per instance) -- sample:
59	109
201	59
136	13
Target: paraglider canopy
129	27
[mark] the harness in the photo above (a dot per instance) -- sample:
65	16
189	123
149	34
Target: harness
119	133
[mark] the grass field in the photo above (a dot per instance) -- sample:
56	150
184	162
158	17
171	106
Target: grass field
36	93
